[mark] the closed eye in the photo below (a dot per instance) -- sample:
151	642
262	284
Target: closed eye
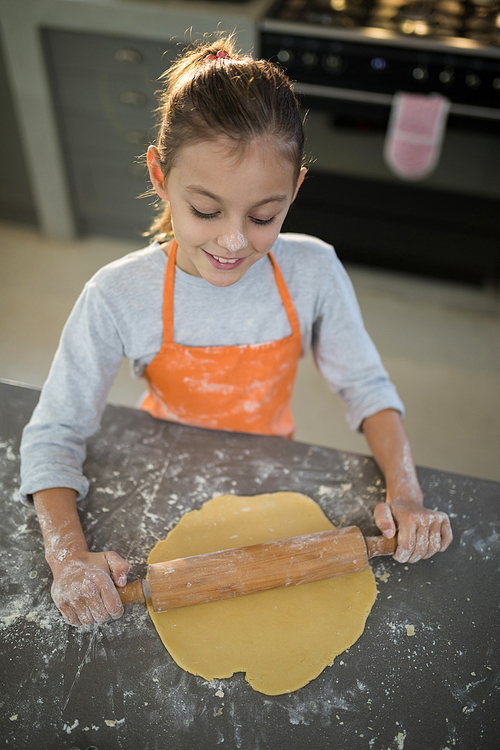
263	222
199	214
259	222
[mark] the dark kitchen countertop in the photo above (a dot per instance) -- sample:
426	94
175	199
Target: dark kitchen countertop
115	686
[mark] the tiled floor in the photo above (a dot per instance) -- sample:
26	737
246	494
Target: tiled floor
439	341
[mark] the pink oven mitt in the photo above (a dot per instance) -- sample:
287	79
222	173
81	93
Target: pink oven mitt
415	134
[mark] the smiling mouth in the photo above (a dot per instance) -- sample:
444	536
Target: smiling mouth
225	260
221	261
223	264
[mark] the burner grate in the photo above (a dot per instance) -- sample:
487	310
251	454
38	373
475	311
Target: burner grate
478	20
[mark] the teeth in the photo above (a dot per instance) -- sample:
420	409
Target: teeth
225	260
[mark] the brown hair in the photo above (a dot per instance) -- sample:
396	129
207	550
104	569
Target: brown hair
236	96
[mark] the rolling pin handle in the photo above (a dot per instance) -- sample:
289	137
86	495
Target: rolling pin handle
131	592
380	545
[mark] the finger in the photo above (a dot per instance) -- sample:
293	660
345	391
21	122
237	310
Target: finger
434	539
111	601
422	541
446	533
440	536
97	609
384	520
93	596
69	614
65	608
83	613
118	567
406	543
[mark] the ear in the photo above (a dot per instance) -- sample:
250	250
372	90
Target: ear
156	173
302	174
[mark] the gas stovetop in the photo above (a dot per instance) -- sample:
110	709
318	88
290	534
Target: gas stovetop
471	24
366	50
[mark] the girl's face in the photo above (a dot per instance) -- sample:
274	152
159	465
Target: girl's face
227	209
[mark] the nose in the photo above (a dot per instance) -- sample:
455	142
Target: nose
233	242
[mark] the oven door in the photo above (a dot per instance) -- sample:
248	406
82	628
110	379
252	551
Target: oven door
447	225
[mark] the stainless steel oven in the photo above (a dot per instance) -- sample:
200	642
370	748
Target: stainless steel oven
350	58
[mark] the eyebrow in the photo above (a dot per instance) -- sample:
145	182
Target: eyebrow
281	198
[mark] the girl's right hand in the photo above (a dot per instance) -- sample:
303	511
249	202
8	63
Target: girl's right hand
84	587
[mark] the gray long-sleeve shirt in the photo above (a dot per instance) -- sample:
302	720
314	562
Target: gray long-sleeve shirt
119	313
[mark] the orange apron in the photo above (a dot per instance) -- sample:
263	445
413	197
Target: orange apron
240	388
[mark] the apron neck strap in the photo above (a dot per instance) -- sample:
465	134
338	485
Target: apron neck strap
285	297
168	296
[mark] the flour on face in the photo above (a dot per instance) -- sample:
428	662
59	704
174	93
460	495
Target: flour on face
234	242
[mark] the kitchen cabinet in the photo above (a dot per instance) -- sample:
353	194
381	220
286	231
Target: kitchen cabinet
68	203
104	98
16	199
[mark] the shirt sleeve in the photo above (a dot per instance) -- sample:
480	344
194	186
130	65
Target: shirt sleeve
344	352
73	398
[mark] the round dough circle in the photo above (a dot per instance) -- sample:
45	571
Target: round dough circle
283	638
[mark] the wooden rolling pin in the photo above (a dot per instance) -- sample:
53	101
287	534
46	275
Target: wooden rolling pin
259	567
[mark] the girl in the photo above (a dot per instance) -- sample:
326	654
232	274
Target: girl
215	315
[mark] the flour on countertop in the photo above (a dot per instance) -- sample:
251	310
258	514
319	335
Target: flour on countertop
68	729
334	704
114	722
400	740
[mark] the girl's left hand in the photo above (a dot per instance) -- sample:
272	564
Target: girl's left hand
421	532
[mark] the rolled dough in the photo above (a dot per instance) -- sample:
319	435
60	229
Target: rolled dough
282	639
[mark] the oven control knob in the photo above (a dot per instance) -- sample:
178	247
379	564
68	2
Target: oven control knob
472	80
447	76
420	73
309	59
496	84
334	64
285	56
378	63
